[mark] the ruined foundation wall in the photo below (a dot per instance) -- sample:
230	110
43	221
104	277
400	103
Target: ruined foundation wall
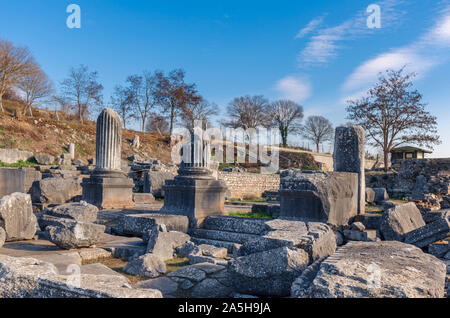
435	170
248	185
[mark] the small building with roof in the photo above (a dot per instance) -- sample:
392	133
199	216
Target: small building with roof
408	152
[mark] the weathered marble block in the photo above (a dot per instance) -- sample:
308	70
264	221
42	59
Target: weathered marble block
330	197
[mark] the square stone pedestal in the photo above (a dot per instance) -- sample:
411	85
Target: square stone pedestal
195	198
110	190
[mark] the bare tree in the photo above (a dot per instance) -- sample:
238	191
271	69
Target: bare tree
121	102
248	112
173	94
141	90
157	124
318	130
36	86
15	62
286	115
392	114
82	91
198	111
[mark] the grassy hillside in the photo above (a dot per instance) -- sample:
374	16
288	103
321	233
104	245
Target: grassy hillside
42	133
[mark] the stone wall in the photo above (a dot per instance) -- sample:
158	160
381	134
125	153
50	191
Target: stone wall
248	185
17	180
435	172
14	155
326	160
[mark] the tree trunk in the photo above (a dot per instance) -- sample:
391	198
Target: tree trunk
317	147
172	112
30	110
284	135
80	117
386	159
1	103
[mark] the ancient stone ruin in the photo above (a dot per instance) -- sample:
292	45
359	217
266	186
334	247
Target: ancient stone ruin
108	186
331	197
194	192
142	228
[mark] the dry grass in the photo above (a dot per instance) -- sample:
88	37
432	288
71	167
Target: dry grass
176	263
116	264
42	133
374	209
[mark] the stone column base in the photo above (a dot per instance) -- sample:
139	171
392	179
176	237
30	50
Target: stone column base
108	190
194	197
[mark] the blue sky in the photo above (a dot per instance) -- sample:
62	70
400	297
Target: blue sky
318	53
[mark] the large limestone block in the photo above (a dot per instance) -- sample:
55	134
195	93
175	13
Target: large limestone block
17	180
380	195
400	220
268	273
330	197
163	244
31	278
14	155
17	217
430	233
378	269
79	211
317	239
154	181
55	190
44	159
147	265
140	224
75	234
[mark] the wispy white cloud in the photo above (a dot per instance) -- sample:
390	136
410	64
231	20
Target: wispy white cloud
429	50
325	44
310	27
296	88
368	71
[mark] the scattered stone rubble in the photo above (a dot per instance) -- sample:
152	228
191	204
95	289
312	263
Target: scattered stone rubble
374	269
321	243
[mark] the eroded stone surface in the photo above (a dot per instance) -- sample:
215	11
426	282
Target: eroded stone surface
30	278
163	244
75	234
400	220
147	265
17	217
268	273
317	239
379	269
79	211
330	197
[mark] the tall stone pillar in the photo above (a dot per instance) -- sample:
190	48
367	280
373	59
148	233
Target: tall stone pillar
72	151
108	186
349	156
195	192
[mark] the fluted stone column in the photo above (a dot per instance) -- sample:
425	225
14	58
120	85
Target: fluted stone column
108	186
195	192
108	141
196	155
